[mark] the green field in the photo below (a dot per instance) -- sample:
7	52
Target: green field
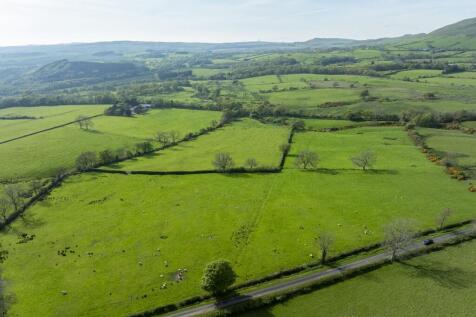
395	96
317	124
439	284
470	124
313	98
416	74
42	154
243	140
111	240
192	220
47	117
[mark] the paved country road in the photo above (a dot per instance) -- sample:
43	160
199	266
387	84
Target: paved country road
417	245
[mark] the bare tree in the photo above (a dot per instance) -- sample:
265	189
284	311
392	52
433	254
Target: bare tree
443	217
251	163
36	186
163	138
364	160
4	208
307	159
84	122
398	235
80	120
14	193
174	136
223	162
325	241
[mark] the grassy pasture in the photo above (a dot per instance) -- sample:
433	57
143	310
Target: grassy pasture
316	124
395	95
48	117
42	154
416	74
244	139
470	124
207	72
438	284
262	223
312	98
471	75
456	81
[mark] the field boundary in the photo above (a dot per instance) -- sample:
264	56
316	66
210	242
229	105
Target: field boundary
197	172
457	172
49	129
45	191
247	303
288	272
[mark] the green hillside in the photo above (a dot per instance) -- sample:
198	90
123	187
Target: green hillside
458	36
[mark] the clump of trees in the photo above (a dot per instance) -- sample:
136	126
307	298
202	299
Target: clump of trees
307	159
217	277
86	161
144	147
364	160
299	125
223	162
167	138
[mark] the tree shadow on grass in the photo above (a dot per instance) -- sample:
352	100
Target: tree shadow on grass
236	175
232	297
93	131
32	221
335	171
444	275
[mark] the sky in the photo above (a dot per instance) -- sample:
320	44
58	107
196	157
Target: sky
24	22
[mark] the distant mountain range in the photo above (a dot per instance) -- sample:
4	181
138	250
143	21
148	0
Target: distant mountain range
461	35
45	63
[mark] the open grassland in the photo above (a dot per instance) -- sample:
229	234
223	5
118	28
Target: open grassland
470	124
127	235
46	117
416	74
146	126
307	91
454	145
438	284
312	98
316	124
42	154
244	139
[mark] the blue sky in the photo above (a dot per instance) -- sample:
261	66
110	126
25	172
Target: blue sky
64	21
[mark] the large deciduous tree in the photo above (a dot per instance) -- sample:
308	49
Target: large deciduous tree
217	277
